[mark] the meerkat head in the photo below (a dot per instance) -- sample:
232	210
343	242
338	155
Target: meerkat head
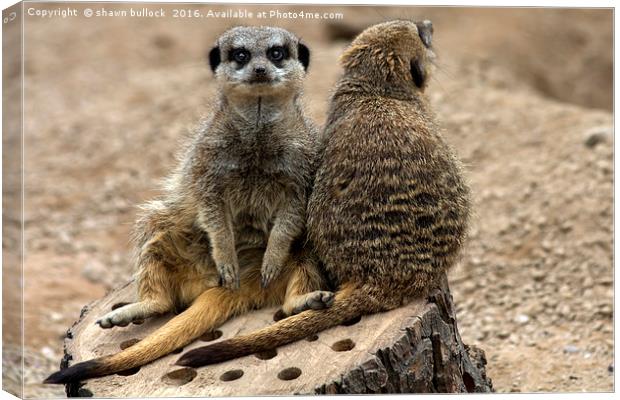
255	61
396	52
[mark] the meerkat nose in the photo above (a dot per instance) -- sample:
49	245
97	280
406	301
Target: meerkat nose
260	70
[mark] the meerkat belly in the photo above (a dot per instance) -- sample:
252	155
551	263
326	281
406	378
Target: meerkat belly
254	203
256	181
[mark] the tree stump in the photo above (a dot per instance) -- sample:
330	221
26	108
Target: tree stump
416	348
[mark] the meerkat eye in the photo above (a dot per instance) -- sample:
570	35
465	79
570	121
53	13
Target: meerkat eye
241	56
276	53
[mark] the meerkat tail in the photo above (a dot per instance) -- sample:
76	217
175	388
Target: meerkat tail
349	303
181	330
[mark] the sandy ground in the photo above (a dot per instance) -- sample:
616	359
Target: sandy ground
524	97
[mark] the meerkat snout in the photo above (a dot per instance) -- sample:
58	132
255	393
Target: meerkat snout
260	75
425	31
258	59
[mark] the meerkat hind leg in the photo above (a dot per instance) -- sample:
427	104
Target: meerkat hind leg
317	300
302	292
157	286
123	316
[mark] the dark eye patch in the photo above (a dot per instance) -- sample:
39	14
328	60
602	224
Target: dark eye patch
241	56
277	53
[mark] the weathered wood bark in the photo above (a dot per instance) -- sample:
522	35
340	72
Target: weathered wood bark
416	348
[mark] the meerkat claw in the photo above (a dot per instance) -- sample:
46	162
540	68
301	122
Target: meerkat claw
229	278
265	281
268	274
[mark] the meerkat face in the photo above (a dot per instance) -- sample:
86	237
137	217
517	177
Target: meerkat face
259	60
393	51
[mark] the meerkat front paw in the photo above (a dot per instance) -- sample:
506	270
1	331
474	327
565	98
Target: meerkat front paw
229	275
268	274
270	270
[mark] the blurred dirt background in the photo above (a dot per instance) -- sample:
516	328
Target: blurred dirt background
524	96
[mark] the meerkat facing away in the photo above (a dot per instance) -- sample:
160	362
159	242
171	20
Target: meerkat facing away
237	198
389	207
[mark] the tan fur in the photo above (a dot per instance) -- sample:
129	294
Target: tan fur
389	208
214	305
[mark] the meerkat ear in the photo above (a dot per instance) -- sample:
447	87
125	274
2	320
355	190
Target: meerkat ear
425	30
418	73
214	58
303	54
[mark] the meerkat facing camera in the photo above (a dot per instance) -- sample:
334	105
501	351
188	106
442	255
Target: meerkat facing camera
389	208
232	218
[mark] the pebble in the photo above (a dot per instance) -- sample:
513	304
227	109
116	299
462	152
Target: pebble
476	261
538	275
481	335
54	316
64	236
541	221
551	303
564	310
597	135
570	349
605	311
49	353
65	243
566	227
522	319
598	326
91	223
502	334
605	166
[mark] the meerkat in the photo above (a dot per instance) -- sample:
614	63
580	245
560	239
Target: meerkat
389	208
232	217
